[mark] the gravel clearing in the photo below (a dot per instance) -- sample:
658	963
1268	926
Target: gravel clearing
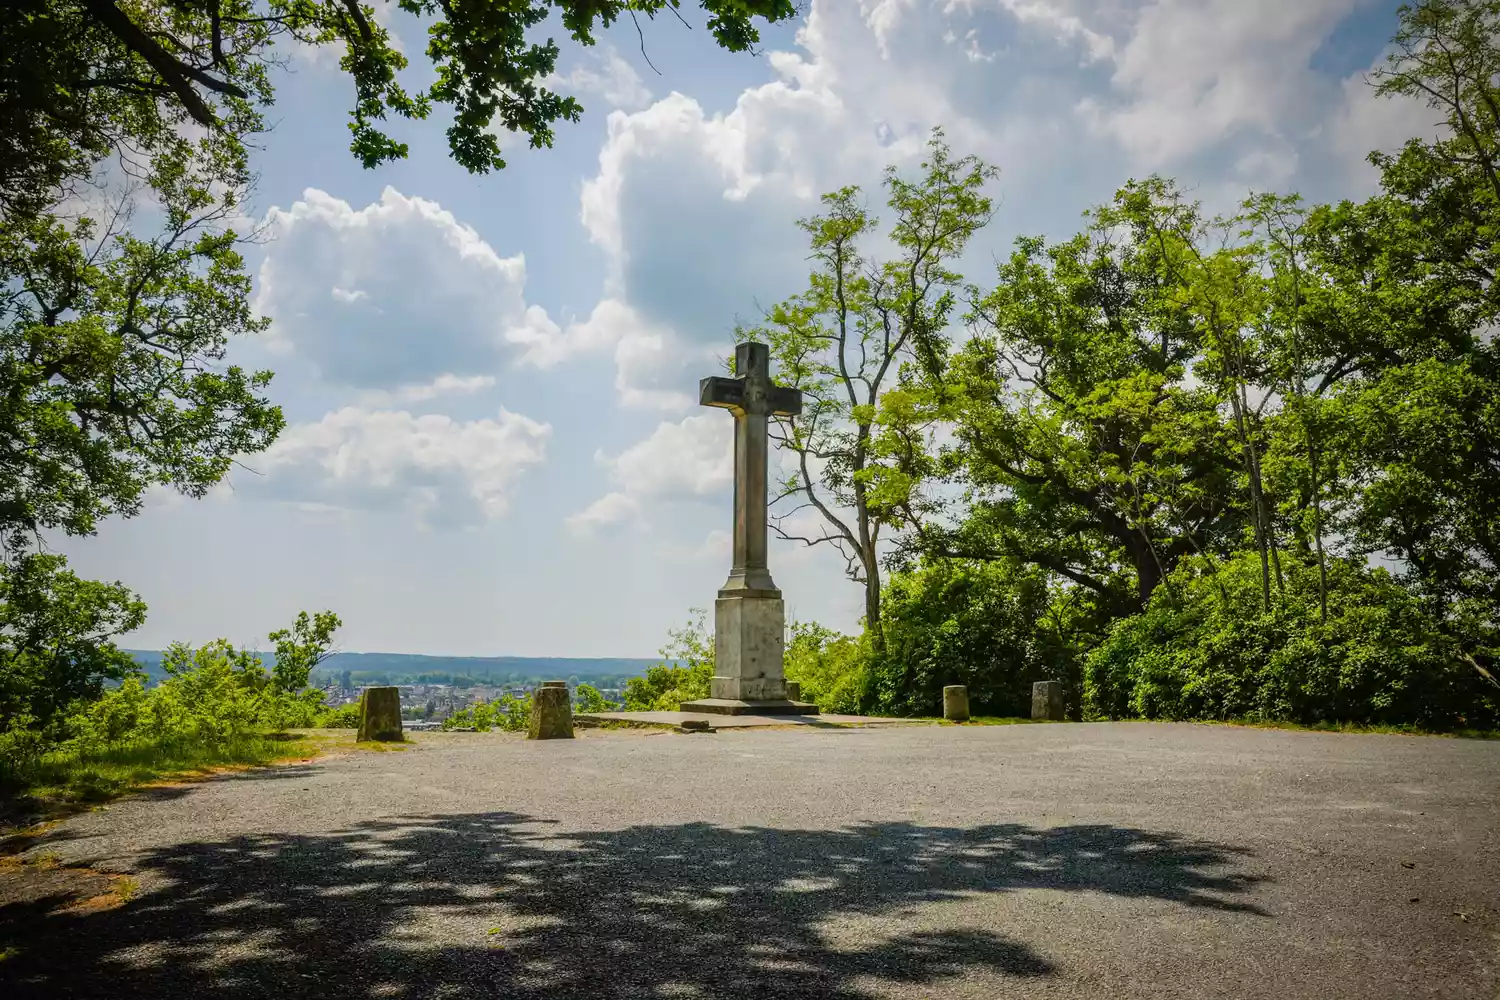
1113	860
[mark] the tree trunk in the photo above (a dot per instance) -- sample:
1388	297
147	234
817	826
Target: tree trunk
872	602
1148	571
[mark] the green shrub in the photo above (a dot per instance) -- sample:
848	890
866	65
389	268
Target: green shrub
591	700
831	667
218	704
343	717
509	713
952	622
1206	648
688	664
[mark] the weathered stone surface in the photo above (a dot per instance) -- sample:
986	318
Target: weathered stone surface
748	649
1047	701
737	706
551	713
749	617
793	691
380	714
956	703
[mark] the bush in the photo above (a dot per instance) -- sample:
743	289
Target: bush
591	700
1205	648
509	713
952	622
688	664
343	717
218	704
831	667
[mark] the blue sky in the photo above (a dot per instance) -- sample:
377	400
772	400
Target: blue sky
493	446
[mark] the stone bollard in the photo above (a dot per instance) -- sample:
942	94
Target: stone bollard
551	713
1047	701
956	703
380	714
793	691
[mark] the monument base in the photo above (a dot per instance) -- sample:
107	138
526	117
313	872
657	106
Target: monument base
734	706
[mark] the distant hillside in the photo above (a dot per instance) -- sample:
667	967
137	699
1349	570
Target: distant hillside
411	668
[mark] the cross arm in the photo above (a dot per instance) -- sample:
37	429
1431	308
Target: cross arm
784	401
716	390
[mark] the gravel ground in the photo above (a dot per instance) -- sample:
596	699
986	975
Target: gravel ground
1121	860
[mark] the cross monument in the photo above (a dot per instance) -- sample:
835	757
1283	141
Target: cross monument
749	617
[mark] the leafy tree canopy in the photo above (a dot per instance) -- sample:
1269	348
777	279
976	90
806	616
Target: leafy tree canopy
84	77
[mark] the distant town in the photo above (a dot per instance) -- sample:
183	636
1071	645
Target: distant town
425	706
434	687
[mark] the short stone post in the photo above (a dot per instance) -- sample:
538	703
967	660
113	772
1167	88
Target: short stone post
956	703
551	713
793	691
380	714
1047	701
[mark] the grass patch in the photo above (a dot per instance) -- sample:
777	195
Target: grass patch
1355	727
974	720
999	720
64	782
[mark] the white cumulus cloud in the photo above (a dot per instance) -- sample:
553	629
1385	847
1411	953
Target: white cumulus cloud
688	459
391	294
445	471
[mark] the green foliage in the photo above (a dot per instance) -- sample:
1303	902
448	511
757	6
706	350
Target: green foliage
973	624
510	713
301	648
1268	401
1087	449
343	717
688	664
832	668
1213	651
218	703
111	347
55	632
93	71
591	700
852	342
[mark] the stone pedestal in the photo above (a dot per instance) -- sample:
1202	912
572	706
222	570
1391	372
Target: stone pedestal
380	714
1047	701
956	703
551	713
748	650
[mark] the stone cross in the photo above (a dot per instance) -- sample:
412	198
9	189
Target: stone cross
753	399
749	617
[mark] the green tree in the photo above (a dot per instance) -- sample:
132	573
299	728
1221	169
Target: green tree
110	351
302	647
850	343
55	639
1082	444
1399	312
1217	653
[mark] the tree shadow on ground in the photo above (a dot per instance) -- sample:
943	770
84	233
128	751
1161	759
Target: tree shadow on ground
503	905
